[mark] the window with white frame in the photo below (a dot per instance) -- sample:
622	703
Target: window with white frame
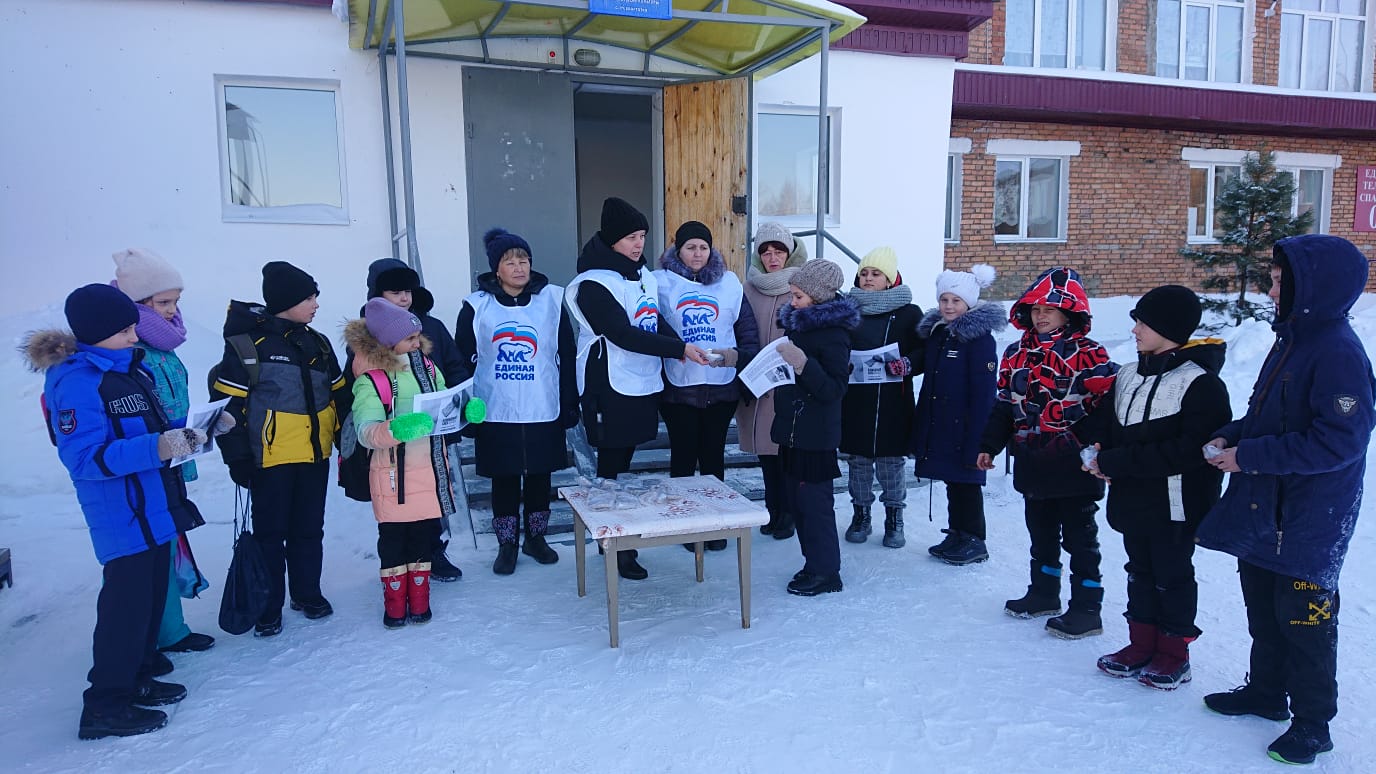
1059	33
955	184
281	151
1321	44
1199	40
1031	189
786	164
1211	169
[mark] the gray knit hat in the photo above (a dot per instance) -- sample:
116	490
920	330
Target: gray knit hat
774	232
820	279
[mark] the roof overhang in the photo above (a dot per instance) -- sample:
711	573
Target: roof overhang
700	39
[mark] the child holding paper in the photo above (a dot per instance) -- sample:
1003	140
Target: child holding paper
875	417
409	472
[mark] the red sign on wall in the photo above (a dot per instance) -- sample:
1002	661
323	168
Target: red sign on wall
1365	219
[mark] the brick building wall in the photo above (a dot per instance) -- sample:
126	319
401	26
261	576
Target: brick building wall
986	40
1266	46
1136	40
1126	218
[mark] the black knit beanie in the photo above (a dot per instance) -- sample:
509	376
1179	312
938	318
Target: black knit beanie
498	240
1173	311
97	312
692	230
285	286
619	218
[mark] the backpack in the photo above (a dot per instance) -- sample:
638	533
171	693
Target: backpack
248	355
353	467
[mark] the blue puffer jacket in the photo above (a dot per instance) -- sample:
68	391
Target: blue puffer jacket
105	418
1302	444
170	383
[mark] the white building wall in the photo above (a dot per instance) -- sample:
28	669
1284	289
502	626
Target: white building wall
110	142
895	127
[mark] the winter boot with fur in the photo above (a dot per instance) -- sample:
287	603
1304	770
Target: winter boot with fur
506	528
1043	595
859	529
1082	618
893	528
1302	743
1170	668
1131	660
394	583
1248	699
418	592
535	547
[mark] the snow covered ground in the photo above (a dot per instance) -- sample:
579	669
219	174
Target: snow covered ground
914	667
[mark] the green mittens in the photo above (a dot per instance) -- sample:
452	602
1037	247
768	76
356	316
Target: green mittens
475	410
409	427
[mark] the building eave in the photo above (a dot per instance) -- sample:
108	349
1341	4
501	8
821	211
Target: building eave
931	28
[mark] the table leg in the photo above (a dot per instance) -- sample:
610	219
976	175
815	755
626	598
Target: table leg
697	558
743	568
612	579
580	554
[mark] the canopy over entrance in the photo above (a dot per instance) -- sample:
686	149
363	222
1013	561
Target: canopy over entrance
662	39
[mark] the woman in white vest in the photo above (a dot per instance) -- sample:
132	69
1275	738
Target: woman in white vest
778	255
518	337
705	305
621	344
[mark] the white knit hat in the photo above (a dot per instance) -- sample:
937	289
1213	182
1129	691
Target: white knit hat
143	273
965	284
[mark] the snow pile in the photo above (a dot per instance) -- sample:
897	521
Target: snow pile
914	667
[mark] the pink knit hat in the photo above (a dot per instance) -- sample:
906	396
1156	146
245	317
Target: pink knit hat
389	323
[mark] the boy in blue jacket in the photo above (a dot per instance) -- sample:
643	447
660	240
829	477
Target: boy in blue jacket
1298	458
115	439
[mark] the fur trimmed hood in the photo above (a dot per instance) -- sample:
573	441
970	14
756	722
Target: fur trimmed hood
709	275
44	349
369	353
984	317
840	312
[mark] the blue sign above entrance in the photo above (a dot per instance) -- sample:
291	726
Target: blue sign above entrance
641	9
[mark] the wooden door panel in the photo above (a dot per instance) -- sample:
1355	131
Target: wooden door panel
706	129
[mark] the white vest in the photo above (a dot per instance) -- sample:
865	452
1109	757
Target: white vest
700	314
630	373
518	356
1131	391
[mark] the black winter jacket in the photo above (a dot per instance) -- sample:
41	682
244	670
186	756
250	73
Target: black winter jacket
1159	414
807	414
876	418
958	392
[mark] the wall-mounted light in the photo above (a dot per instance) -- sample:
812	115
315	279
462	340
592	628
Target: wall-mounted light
587	57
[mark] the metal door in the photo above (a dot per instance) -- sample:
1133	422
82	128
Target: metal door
520	156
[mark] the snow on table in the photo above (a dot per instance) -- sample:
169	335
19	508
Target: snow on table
694	504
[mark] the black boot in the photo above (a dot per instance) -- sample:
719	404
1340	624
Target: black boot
947	543
1302	743
506	528
893	528
441	569
1043	595
784	529
537	524
768	529
1247	699
1082	619
155	693
968	549
859	529
628	567
125	721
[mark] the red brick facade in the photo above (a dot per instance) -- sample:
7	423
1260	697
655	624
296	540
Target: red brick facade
1129	191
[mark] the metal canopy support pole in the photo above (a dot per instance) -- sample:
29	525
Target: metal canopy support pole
404	105
387	136
823	147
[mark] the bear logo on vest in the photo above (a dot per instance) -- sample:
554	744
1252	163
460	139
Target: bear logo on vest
699	312
516	347
646	315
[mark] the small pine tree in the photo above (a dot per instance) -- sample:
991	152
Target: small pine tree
1253	214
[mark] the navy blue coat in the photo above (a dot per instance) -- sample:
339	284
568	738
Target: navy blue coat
959	377
105	418
807	414
1303	441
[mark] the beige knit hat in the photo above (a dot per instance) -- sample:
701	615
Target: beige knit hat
820	279
142	273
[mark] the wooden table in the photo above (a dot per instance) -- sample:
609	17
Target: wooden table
700	508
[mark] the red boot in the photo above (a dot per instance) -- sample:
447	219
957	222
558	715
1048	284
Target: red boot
1170	668
418	591
1129	661
394	586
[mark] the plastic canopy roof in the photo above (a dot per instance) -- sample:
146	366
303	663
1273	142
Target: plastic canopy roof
764	36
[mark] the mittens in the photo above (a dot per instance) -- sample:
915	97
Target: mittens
793	356
409	427
475	410
900	367
729	358
179	442
223	424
